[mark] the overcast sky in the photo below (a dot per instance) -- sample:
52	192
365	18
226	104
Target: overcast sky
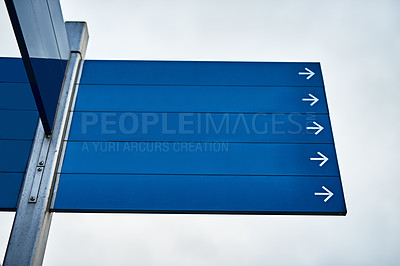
358	45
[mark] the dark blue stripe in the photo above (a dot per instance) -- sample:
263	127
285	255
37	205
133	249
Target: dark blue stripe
16	96
14	155
198	158
18	124
200	99
10	185
12	70
200	73
129	126
201	194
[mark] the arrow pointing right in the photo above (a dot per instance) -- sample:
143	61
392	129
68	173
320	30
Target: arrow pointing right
318	127
323	158
309	73
328	193
313	99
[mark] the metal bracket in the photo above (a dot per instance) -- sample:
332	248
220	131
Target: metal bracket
37	179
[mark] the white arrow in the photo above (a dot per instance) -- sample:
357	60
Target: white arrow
328	193
318	127
323	158
309	73
313	99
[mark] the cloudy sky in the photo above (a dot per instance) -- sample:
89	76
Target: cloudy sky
358	45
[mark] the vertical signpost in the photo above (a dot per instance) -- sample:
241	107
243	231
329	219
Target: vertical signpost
32	221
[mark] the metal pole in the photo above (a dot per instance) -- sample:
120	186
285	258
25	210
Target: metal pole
32	221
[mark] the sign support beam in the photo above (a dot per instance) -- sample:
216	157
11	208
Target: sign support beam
31	226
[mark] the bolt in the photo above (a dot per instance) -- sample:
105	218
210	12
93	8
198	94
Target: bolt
32	198
41	163
40	169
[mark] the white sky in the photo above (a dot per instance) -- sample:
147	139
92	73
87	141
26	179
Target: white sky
358	45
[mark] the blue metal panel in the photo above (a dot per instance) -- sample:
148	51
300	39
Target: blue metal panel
20	124
214	127
139	140
10	184
16	96
19	118
199	194
242	99
201	73
14	155
12	70
199	158
43	42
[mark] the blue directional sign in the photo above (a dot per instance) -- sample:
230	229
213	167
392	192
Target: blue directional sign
42	39
200	137
18	119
